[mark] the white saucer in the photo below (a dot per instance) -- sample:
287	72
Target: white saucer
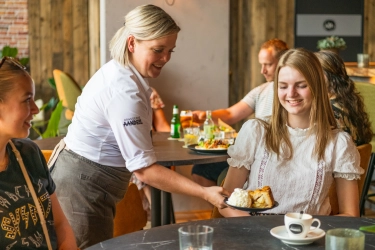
281	233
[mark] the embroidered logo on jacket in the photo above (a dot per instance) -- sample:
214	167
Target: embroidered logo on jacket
132	121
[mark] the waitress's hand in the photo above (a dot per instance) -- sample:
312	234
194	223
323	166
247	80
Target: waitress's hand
215	195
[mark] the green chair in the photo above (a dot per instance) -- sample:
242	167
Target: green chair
367	91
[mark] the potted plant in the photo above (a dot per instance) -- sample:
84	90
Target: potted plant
332	43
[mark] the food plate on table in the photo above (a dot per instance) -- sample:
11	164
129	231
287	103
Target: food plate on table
202	150
281	233
250	209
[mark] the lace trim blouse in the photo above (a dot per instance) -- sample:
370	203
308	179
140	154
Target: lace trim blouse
301	183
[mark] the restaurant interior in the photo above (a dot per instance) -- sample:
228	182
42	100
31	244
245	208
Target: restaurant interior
215	63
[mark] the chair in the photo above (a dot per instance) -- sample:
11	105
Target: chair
130	216
365	154
47	154
367	91
68	91
365	196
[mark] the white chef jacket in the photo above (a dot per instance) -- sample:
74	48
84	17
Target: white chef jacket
112	119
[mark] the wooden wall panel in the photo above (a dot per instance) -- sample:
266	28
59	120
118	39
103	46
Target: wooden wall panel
369	30
252	22
59	39
94	34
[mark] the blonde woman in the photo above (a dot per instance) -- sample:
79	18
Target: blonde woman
21	225
109	136
299	151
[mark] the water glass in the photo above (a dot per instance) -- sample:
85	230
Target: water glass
345	239
195	237
191	135
363	60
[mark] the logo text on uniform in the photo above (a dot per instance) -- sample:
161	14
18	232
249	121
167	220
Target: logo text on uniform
132	121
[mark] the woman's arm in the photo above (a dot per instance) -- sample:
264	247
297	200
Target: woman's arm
65	235
159	121
170	181
348	197
236	178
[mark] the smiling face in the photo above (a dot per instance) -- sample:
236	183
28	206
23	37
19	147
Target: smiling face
149	57
17	109
268	61
295	96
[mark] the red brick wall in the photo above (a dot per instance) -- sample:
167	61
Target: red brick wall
14	25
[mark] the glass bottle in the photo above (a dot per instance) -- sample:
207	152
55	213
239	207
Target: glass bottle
208	126
175	123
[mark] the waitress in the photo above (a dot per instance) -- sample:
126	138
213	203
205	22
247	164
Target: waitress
110	132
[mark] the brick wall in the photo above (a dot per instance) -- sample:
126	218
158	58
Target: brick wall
14	25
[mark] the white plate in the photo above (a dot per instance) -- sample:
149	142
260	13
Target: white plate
281	233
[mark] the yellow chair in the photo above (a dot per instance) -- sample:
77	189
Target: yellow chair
68	91
130	216
365	153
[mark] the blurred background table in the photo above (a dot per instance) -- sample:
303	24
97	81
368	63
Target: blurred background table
361	74
233	233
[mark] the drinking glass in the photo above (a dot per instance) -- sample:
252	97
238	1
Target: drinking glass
345	239
363	60
186	118
195	237
191	135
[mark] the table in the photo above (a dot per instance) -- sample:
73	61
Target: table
361	74
233	233
171	153
168	153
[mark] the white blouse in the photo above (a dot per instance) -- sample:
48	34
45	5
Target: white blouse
301	183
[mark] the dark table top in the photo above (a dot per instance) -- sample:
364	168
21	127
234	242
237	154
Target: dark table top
168	152
234	233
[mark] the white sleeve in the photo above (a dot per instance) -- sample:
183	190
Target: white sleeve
251	97
248	140
346	158
131	119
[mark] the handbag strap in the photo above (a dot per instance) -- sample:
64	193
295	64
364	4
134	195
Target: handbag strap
33	194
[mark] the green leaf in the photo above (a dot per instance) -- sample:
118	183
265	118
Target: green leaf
50	104
52	82
53	124
370	229
24	61
9	51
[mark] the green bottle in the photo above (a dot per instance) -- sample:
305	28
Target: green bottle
175	123
208	126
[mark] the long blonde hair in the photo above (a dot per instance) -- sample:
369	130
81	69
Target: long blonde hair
322	120
145	22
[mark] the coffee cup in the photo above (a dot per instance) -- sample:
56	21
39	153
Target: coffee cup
299	225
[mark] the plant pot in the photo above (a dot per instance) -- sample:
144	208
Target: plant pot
336	51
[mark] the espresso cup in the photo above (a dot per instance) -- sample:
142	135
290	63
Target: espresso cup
297	227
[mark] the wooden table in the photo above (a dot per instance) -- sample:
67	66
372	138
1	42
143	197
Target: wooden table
233	233
353	70
169	153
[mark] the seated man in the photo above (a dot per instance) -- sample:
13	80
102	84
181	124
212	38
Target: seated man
259	101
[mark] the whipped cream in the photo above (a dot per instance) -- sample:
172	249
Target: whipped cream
240	198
